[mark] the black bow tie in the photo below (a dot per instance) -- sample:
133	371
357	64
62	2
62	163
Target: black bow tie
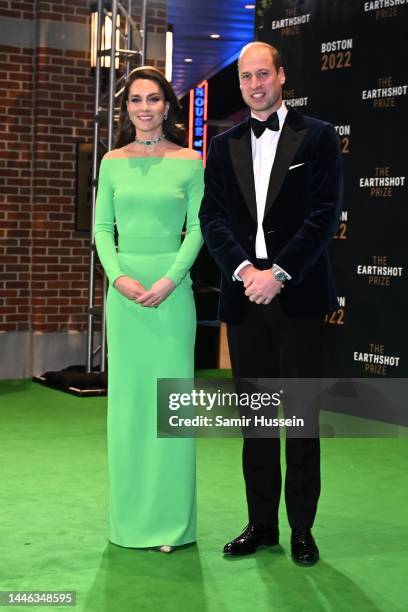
258	127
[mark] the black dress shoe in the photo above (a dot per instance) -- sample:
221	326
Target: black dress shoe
304	549
252	537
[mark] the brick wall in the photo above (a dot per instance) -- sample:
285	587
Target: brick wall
46	107
62	113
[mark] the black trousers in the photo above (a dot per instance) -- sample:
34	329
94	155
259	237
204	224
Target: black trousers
268	344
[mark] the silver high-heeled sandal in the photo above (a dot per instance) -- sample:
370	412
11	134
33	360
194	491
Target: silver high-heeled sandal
165	548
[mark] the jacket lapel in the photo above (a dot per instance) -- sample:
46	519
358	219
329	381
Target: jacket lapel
293	133
241	155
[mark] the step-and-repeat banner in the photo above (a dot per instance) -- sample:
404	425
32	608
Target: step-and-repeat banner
346	62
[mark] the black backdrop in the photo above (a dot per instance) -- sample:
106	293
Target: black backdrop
346	62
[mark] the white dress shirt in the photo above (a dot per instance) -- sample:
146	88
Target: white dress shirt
263	156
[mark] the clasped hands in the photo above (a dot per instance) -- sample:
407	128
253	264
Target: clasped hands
134	290
260	285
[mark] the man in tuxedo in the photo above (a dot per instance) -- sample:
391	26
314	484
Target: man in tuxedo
271	204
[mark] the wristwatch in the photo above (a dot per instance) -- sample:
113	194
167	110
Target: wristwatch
279	274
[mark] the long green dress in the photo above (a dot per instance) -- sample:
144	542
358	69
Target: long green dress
152	491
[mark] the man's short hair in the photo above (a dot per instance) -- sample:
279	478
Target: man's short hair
276	57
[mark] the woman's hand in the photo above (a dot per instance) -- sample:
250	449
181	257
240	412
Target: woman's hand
157	293
129	287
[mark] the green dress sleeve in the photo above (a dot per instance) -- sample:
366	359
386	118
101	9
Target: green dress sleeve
104	229
193	239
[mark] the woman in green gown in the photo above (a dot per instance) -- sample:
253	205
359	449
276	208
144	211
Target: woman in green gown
150	186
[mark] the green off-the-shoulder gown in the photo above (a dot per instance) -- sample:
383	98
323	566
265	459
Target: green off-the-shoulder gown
152	490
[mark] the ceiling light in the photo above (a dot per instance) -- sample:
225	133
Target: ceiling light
249	6
188	60
215	36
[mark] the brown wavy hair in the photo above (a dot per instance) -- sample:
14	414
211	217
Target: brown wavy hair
172	128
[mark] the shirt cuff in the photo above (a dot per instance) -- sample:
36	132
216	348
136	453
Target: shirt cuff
236	276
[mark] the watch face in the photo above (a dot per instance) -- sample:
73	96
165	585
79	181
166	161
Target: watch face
280	276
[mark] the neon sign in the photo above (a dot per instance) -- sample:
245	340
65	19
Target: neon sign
197	129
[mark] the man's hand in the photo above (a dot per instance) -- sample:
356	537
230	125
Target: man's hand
260	285
247	273
129	287
157	293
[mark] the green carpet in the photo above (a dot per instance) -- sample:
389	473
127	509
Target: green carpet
54	524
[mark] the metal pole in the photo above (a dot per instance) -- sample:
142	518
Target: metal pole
96	128
111	127
112	78
127	13
116	7
129	32
144	30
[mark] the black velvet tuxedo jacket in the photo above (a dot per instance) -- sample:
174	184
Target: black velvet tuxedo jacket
302	211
